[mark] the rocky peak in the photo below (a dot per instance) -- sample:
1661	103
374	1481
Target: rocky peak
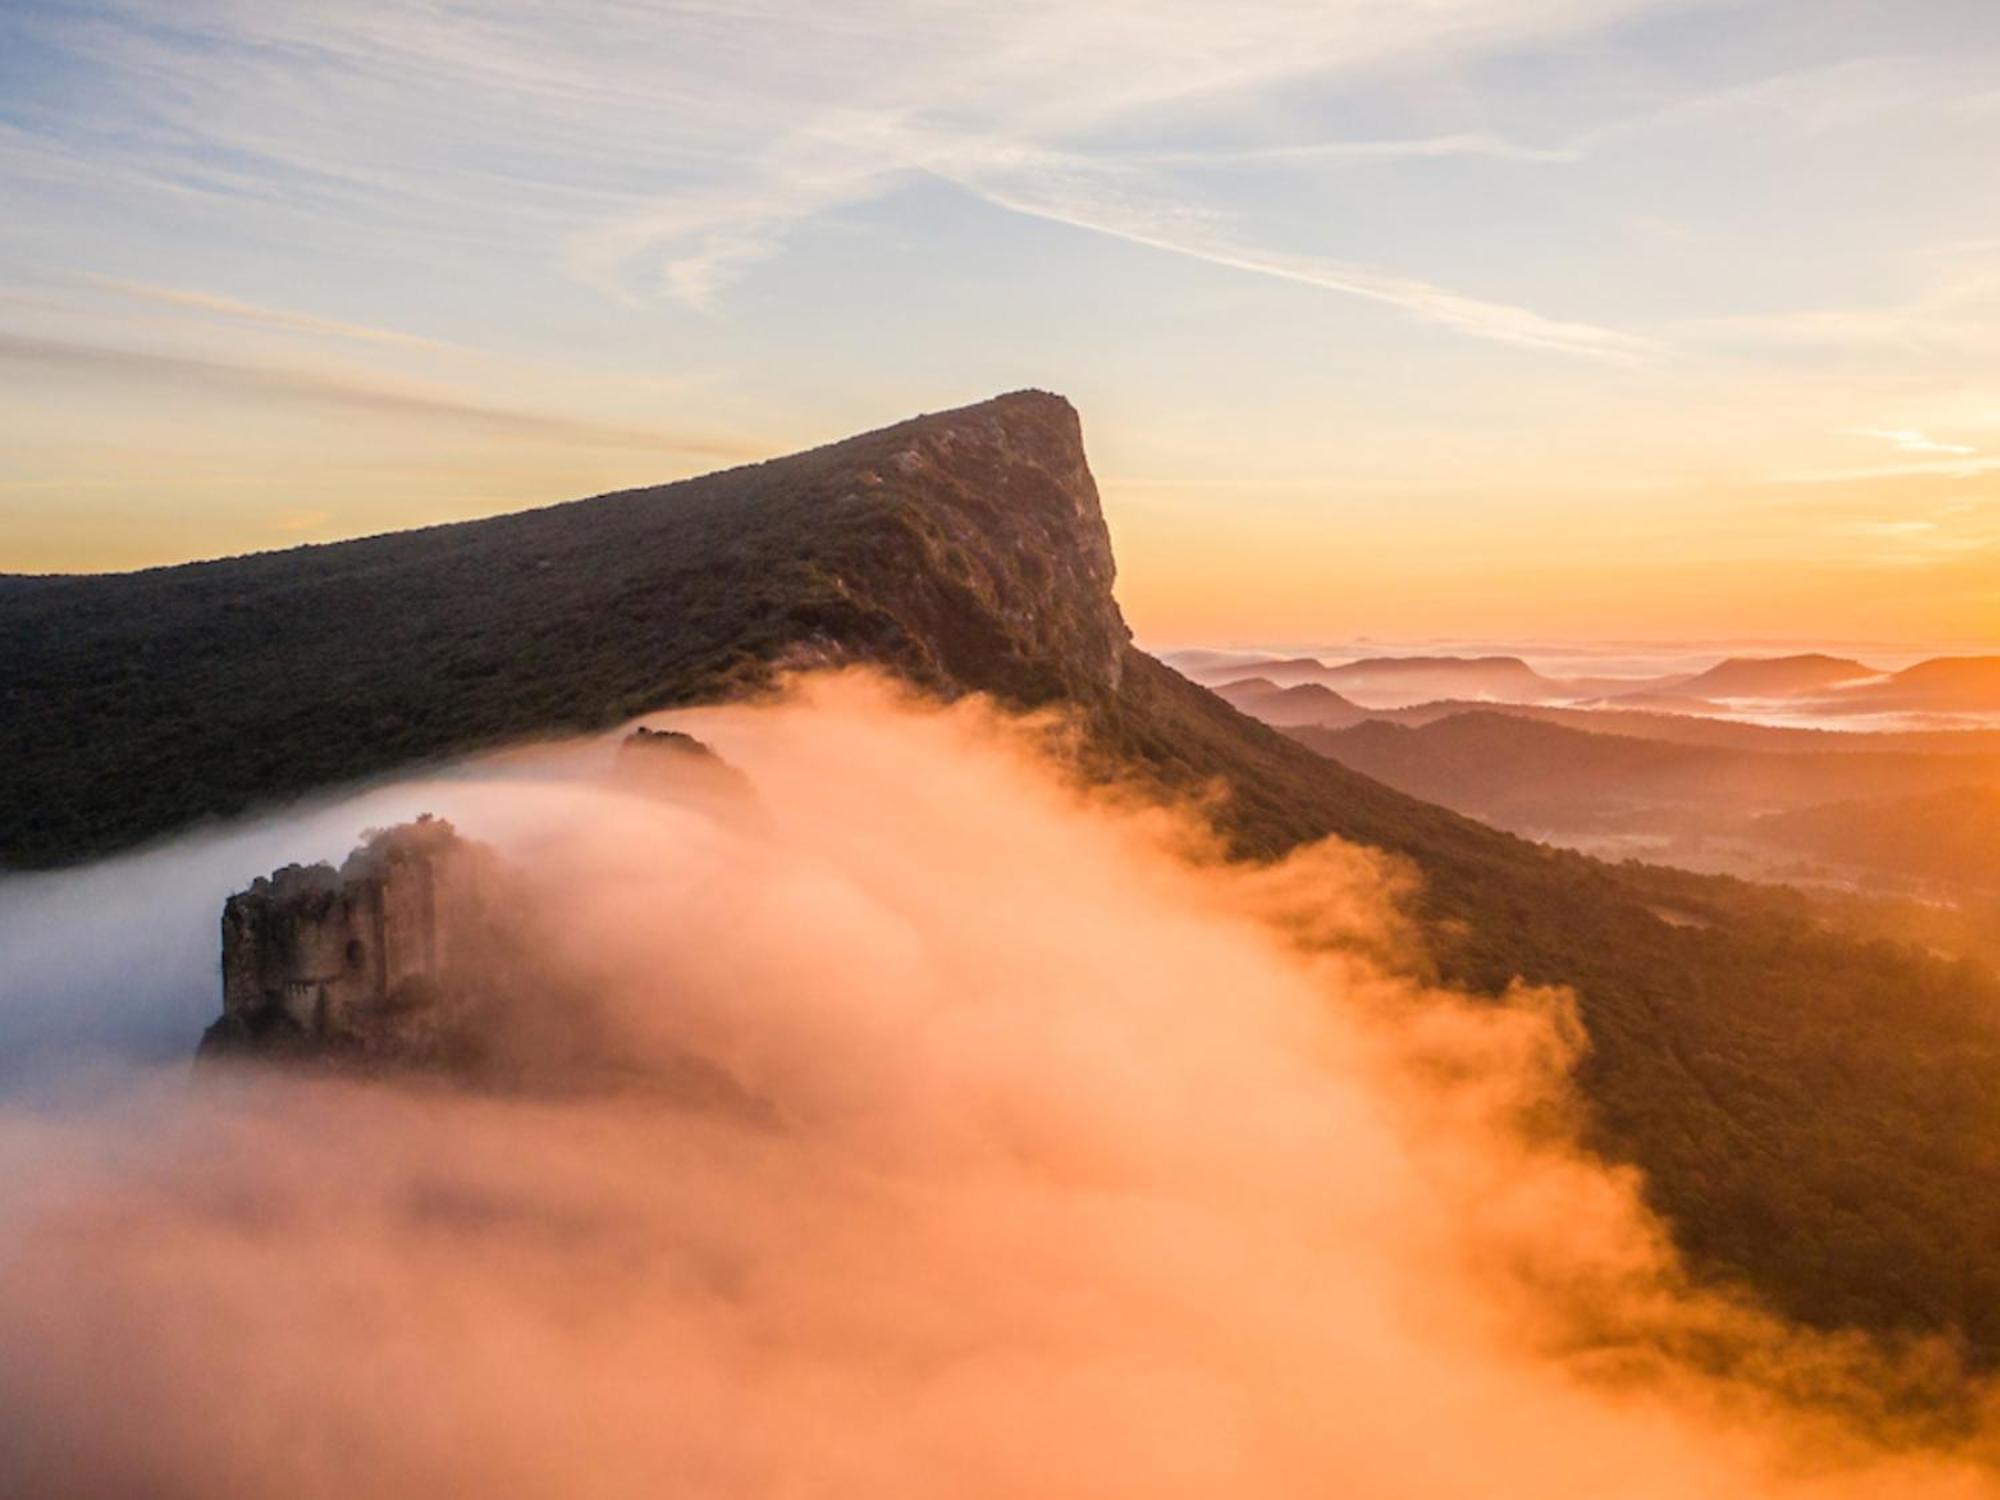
674	762
645	744
373	961
1010	586
422	949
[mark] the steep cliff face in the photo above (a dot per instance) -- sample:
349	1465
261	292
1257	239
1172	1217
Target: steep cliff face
385	958
1008	582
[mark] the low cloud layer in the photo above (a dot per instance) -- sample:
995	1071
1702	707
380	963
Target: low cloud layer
1060	1159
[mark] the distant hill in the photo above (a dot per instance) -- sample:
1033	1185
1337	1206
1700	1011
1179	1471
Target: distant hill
1199	662
1394	679
1814	1114
1305	703
1951	837
1219	667
1518	770
1773	676
1944	684
1728	734
1529	774
1389	681
1415	678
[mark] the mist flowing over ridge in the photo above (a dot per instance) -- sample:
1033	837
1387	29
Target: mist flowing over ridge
1750	1062
1001	1188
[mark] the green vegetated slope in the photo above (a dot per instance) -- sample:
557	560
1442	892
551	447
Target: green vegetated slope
1815	1114
1820	1113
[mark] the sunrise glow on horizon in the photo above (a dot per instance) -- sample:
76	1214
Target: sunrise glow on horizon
1569	317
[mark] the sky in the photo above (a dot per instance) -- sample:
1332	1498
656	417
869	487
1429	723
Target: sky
1580	318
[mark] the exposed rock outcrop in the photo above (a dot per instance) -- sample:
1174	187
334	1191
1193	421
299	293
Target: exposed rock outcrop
1013	586
427	950
644	747
388	959
677	764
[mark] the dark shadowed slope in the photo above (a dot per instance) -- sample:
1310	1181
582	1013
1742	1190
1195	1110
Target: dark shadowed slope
1525	773
1724	734
1820	1116
1949	837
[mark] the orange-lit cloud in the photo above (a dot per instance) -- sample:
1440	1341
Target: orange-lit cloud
1069	1162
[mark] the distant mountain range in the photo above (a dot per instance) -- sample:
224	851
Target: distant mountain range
1814	1114
1811	683
1393	680
1663	765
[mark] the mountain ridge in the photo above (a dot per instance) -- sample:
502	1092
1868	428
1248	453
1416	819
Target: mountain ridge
958	547
1751	1063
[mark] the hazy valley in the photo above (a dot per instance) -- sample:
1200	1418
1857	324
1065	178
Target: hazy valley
1772	767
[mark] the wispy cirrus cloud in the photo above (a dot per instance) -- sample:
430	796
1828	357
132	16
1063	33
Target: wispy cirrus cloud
704	242
1912	440
1955	313
817	125
1419	148
1942	468
348	391
283	319
1080	199
665	152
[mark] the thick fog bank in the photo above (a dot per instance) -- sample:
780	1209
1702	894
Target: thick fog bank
1059	1159
117	961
